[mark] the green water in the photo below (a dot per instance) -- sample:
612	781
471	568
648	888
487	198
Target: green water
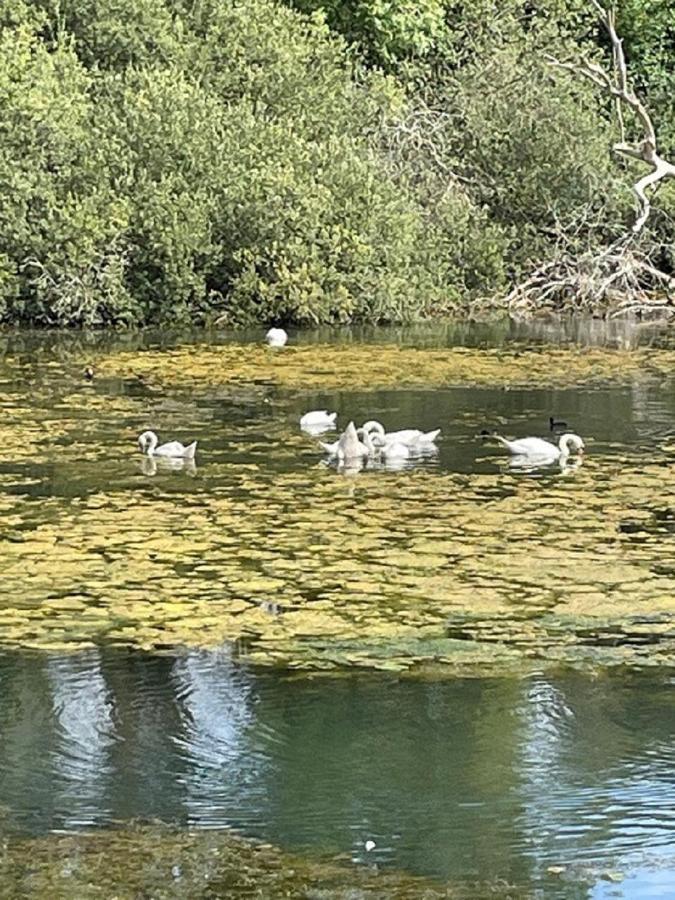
150	616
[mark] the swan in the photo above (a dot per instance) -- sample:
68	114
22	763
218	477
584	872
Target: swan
395	450
148	444
411	437
276	337
537	448
348	446
318	420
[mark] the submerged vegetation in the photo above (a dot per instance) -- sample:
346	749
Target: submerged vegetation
165	864
297	566
309	162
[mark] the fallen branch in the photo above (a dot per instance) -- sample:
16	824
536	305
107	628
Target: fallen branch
617	278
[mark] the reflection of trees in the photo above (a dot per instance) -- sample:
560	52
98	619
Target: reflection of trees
223	776
470	778
596	762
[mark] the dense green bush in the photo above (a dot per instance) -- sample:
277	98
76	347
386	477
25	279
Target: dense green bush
247	161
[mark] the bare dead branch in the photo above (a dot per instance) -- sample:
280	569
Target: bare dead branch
617	86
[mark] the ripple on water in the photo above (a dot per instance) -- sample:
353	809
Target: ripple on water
514	776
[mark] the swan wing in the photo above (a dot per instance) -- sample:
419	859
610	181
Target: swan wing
532	446
404	436
171	448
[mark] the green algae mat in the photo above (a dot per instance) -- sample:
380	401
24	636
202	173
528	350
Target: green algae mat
358	366
299	566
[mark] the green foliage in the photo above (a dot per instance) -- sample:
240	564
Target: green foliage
386	31
238	161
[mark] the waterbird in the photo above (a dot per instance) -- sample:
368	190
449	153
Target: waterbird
148	444
556	424
276	337
348	447
88	374
318	420
540	450
411	437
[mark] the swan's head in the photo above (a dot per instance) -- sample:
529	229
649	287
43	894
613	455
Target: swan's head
375	432
367	439
571	443
147	439
372	425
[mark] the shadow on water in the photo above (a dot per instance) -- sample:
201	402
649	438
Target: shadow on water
515	776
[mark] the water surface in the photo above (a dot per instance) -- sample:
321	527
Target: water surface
463	779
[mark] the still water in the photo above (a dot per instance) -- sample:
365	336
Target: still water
469	778
558	782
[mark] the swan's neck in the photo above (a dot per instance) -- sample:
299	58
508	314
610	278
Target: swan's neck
151	444
367	440
374	426
564	444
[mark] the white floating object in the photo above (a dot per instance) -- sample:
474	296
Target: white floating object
318	418
536	448
148	444
412	437
276	337
369	845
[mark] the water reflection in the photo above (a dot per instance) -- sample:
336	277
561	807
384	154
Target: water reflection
514	776
151	465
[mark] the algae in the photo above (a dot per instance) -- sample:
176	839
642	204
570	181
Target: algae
307	569
164	863
368	366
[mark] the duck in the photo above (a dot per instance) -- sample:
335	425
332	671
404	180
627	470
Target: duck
538	449
148	444
276	337
318	420
556	424
411	437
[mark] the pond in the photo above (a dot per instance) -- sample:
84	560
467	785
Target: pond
545	782
463	662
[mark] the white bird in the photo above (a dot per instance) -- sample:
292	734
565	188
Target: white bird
348	447
148	444
411	437
276	337
318	420
544	451
395	450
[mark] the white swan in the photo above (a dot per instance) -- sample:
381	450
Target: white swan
318	420
396	450
348	446
411	437
539	449
276	337
148	444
